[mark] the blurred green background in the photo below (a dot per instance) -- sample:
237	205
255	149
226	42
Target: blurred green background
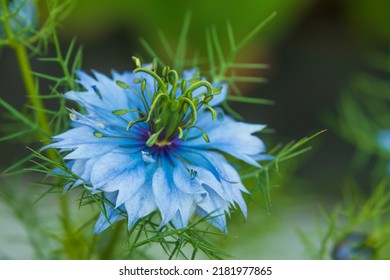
313	48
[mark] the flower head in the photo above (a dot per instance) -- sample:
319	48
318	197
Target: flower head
158	143
21	17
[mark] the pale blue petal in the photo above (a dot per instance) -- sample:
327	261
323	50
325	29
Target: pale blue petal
231	183
218	218
88	99
90	151
177	221
205	177
111	126
198	158
165	194
233	138
141	204
133	99
183	181
114	96
82	168
111	165
187	207
83	135
111	215
215	215
128	184
216	207
186	210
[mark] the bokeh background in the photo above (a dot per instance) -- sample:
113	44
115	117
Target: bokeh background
314	49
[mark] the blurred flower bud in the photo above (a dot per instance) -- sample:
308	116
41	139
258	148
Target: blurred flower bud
22	17
353	247
384	144
384	139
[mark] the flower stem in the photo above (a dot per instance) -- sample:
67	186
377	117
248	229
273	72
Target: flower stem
43	132
28	79
25	70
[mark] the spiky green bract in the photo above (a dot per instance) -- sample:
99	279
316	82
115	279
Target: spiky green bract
156	143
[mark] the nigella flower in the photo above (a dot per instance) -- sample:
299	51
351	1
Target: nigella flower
21	16
155	143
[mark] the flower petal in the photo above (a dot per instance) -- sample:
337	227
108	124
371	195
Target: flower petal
183	181
110	166
205	177
234	138
128	184
110	216
165	194
186	209
141	204
213	207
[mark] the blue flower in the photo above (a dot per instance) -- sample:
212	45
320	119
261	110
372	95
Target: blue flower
22	17
152	143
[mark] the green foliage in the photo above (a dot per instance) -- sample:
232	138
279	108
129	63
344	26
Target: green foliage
363	112
222	66
279	154
358	213
54	12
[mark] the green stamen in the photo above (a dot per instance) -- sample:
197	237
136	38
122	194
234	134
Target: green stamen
170	116
211	109
197	85
153	138
122	84
73	117
155	76
97	134
136	61
121	112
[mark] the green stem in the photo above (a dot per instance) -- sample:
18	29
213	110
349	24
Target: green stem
25	70
34	100
71	249
28	79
